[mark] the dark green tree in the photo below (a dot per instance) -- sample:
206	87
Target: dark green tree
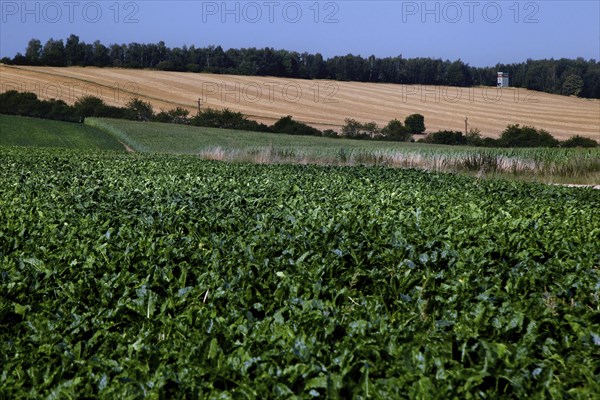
54	53
89	106
100	55
74	51
34	52
415	124
395	131
140	110
176	115
352	128
457	74
474	138
572	85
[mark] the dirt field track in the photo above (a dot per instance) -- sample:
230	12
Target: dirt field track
323	104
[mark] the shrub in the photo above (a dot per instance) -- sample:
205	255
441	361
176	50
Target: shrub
579	141
59	110
473	138
356	130
27	104
352	128
291	127
89	106
489	142
176	115
453	138
140	110
395	131
526	136
330	133
226	119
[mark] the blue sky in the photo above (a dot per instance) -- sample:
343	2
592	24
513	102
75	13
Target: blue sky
481	33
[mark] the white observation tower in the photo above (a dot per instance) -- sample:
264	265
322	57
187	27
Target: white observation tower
502	79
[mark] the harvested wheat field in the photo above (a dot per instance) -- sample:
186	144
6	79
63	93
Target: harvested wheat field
323	104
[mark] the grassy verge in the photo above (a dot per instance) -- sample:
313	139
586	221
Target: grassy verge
33	132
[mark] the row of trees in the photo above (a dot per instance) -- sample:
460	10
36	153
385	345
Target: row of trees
578	77
512	136
394	131
27	104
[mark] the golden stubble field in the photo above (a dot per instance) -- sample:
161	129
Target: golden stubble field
323	104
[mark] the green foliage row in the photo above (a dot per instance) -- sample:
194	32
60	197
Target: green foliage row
514	136
226	119
393	131
577	77
128	276
27	104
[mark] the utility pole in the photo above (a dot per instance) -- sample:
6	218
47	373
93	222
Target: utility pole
466	126
199	105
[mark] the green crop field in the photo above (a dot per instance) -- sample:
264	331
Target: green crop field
554	165
24	131
166	276
184	139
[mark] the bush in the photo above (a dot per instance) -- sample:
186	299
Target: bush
177	115
489	142
330	133
291	127
115	112
356	130
473	138
89	106
28	105
395	131
59	110
352	128
140	110
526	136
579	141
16	103
453	138
226	119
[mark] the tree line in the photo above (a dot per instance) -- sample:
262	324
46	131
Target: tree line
577	77
13	102
27	104
512	136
